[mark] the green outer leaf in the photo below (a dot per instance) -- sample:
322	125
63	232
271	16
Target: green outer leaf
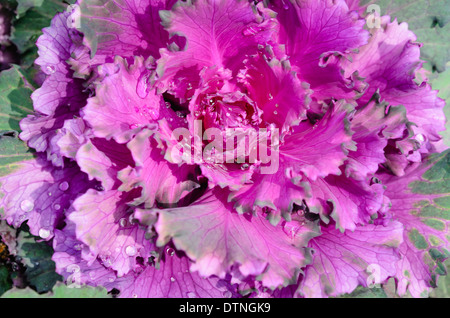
436	46
22	293
28	27
15	101
5	279
442	84
362	292
60	291
436	179
24	5
443	289
12	152
36	256
428	20
434	213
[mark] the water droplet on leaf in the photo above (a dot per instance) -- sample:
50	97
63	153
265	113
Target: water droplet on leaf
170	251
245	166
51	69
142	86
26	206
227	294
130	250
44	233
106	260
63	186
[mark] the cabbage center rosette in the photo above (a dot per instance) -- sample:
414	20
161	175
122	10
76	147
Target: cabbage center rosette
230	148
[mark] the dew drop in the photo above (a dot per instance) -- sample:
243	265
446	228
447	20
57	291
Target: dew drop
130	250
275	112
49	194
227	294
168	105
191	295
51	69
106	260
172	279
26	206
170	251
189	86
63	186
123	222
131	219
142	86
99	188
270	96
245	166
420	138
135	296
44	233
78	247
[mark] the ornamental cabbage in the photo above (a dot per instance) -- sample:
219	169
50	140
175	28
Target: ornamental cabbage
230	148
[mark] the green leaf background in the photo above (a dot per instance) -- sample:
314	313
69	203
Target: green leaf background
428	19
59	291
15	101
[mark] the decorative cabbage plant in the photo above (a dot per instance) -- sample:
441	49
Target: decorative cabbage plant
232	148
